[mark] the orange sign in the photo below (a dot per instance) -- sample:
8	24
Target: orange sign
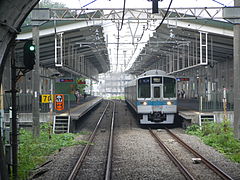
59	102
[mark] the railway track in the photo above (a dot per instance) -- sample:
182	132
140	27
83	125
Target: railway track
183	168
85	151
136	154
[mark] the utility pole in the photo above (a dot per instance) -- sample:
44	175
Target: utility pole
236	66
36	83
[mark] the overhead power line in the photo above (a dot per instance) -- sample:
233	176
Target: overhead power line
124	4
219	3
165	15
88	3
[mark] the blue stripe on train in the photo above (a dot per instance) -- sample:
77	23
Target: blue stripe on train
156	103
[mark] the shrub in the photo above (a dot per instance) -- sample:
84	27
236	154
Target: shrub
33	151
220	136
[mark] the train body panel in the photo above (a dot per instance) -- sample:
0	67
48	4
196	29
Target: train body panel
153	96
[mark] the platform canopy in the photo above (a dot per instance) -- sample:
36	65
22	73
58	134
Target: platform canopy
80	47
179	45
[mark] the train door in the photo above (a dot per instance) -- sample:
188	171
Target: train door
157	91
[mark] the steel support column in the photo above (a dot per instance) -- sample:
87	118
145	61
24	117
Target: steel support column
236	122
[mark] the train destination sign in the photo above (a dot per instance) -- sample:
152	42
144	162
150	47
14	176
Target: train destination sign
157	80
59	102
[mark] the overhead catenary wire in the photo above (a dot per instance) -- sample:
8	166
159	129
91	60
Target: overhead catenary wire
219	3
88	3
164	15
119	29
214	15
124	7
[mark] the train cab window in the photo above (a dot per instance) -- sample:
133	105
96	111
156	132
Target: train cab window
156	92
144	88
169	88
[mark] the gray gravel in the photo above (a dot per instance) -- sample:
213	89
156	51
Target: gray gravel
136	155
94	165
231	168
199	170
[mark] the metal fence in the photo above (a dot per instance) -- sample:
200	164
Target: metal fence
215	101
207	102
25	101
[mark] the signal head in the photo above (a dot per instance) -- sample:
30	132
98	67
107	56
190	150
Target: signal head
29	55
32	48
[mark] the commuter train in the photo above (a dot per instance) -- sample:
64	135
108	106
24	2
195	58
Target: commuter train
153	96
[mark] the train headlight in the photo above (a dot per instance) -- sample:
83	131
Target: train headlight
169	103
144	103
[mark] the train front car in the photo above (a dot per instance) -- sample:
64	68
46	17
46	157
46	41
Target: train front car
156	98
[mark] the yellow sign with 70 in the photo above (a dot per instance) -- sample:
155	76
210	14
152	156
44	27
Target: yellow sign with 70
46	98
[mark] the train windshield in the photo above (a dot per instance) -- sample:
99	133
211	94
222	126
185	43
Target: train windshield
169	88
156	92
144	88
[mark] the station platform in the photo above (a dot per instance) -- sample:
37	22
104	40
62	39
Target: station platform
188	110
78	110
73	112
65	122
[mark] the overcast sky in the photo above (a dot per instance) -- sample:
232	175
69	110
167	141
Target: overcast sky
143	3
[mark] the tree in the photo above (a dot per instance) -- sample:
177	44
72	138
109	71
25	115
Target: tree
44	4
81	84
50	4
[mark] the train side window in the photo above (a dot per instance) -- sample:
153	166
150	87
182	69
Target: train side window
169	89
156	92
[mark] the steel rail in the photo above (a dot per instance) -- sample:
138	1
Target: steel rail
86	148
173	158
213	167
110	147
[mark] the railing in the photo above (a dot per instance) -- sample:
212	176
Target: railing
216	102
25	101
208	102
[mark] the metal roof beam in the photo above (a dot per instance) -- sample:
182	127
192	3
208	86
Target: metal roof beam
115	14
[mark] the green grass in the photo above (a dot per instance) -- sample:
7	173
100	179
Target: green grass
117	97
34	151
220	136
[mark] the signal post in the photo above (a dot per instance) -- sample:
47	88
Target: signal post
36	83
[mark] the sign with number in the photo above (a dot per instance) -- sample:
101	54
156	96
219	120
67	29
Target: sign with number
46	98
59	102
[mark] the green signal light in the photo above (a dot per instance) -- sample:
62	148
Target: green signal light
32	48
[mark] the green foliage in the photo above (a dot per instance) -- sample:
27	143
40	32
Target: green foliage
117	97
81	87
220	136
194	130
50	4
33	152
44	4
